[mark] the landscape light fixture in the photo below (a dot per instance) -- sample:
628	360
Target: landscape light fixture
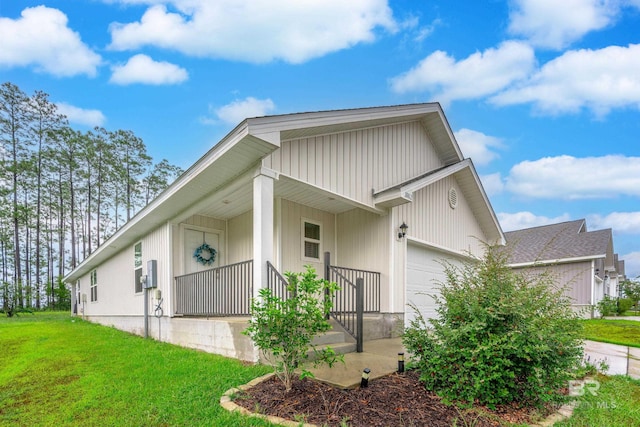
364	381
403	230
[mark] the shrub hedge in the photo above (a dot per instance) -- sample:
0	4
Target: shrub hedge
498	337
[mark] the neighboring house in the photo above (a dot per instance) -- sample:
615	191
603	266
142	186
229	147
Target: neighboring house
616	288
274	195
581	261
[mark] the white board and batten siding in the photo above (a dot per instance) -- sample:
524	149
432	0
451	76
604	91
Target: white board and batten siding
365	243
355	162
240	238
292	217
437	233
116	277
431	218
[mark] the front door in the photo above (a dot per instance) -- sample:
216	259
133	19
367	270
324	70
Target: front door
193	239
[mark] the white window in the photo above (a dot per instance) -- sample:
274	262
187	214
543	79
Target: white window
137	266
311	240
94	285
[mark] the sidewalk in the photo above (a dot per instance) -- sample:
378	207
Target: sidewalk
622	360
381	357
636	318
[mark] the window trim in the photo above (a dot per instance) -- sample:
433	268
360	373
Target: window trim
304	239
93	285
137	265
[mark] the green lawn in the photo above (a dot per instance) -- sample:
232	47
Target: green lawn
623	332
614	403
58	370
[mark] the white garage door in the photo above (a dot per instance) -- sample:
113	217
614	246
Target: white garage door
424	273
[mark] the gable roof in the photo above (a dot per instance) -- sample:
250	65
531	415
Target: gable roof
565	241
470	185
238	155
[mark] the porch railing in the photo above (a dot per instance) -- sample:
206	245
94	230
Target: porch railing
276	282
221	291
359	293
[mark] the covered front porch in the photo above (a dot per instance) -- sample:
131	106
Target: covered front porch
227	291
264	223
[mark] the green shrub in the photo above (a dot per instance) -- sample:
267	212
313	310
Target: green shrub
624	304
607	306
631	289
284	328
498	337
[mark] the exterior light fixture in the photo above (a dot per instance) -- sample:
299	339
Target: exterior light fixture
400	363
403	230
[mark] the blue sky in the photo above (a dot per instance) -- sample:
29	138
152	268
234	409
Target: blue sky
543	95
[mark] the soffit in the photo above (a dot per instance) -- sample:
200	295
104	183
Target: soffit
216	170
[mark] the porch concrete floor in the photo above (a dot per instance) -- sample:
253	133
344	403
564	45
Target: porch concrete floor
380	356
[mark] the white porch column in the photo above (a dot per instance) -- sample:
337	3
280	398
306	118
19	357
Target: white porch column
262	226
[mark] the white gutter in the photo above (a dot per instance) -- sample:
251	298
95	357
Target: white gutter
556	261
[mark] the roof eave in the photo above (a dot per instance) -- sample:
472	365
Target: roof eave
541	263
162	209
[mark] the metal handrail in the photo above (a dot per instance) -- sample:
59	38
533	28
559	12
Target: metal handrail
220	291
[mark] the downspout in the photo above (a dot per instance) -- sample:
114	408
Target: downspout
593	288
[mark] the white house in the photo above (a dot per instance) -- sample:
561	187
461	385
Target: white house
276	194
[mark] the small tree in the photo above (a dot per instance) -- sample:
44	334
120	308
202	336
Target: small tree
631	289
499	336
624	304
607	306
284	328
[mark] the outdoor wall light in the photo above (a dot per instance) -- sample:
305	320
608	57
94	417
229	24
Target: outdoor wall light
403	230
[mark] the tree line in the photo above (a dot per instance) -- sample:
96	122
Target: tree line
63	192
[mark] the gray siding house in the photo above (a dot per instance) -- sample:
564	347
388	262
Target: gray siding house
583	262
278	193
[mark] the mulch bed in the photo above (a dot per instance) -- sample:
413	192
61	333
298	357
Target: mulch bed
393	400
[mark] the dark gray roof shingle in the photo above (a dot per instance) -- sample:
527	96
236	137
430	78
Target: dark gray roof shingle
556	242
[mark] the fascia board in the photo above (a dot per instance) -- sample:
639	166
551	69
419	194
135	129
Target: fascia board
143	220
501	239
556	261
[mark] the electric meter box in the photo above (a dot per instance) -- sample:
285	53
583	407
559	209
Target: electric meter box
152	274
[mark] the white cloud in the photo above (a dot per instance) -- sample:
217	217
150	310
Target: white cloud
81	116
480	74
556	24
41	38
632	264
520	220
620	222
142	69
563	177
478	146
239	110
599	80
255	31
492	183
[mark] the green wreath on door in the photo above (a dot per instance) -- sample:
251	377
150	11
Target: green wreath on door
205	254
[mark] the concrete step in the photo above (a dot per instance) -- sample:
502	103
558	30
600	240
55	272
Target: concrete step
330	337
339	348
